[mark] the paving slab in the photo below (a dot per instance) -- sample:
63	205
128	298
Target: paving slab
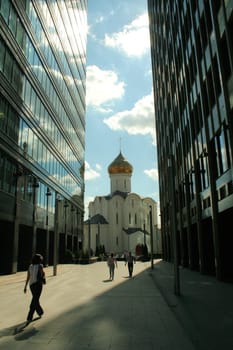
84	310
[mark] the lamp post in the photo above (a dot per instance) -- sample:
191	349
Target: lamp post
173	224
35	186
99	235
144	232
19	177
55	243
89	237
72	228
65	208
151	238
48	194
77	229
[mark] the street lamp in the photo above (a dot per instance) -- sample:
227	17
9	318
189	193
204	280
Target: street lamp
65	207
89	238
173	224
144	232
48	194
72	227
151	238
55	243
35	186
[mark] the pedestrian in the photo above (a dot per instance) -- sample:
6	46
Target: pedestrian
112	263
36	279
130	260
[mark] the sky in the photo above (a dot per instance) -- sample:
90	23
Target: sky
119	97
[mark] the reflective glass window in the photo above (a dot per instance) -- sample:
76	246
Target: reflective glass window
8	64
5	9
1	169
30	142
16	79
2	54
39	151
27	94
20	34
13	125
33	101
24	134
35	147
3	114
13	20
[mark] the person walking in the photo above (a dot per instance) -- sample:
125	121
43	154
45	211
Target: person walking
130	260
35	279
112	263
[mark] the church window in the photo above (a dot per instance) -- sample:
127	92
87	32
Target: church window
135	218
132	203
129	218
116	218
117	240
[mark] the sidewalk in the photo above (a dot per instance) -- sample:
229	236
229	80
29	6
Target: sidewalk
204	309
86	311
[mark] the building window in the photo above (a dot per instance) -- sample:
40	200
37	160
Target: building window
117	218
129	218
222	151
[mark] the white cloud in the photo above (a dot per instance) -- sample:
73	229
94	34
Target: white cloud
140	120
103	87
90	173
98	167
152	173
134	39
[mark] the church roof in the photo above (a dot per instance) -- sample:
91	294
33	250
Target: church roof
131	230
97	219
120	165
117	193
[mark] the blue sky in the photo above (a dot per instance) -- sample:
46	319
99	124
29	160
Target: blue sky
120	111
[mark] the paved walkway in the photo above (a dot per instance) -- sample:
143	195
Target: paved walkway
84	310
204	309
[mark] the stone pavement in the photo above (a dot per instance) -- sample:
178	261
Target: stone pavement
84	310
204	309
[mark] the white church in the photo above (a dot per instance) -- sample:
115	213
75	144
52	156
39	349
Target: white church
122	220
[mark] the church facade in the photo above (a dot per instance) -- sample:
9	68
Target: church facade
122	220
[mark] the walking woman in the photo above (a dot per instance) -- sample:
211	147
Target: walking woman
36	279
111	264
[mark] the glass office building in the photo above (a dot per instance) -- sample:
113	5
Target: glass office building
192	63
42	129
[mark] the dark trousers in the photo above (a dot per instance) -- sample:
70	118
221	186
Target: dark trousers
130	268
36	289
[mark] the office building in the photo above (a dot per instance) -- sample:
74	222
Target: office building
42	129
192	64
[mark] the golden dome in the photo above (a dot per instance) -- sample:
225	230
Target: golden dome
120	166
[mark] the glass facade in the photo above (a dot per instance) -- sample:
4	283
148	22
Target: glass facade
192	63
42	125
